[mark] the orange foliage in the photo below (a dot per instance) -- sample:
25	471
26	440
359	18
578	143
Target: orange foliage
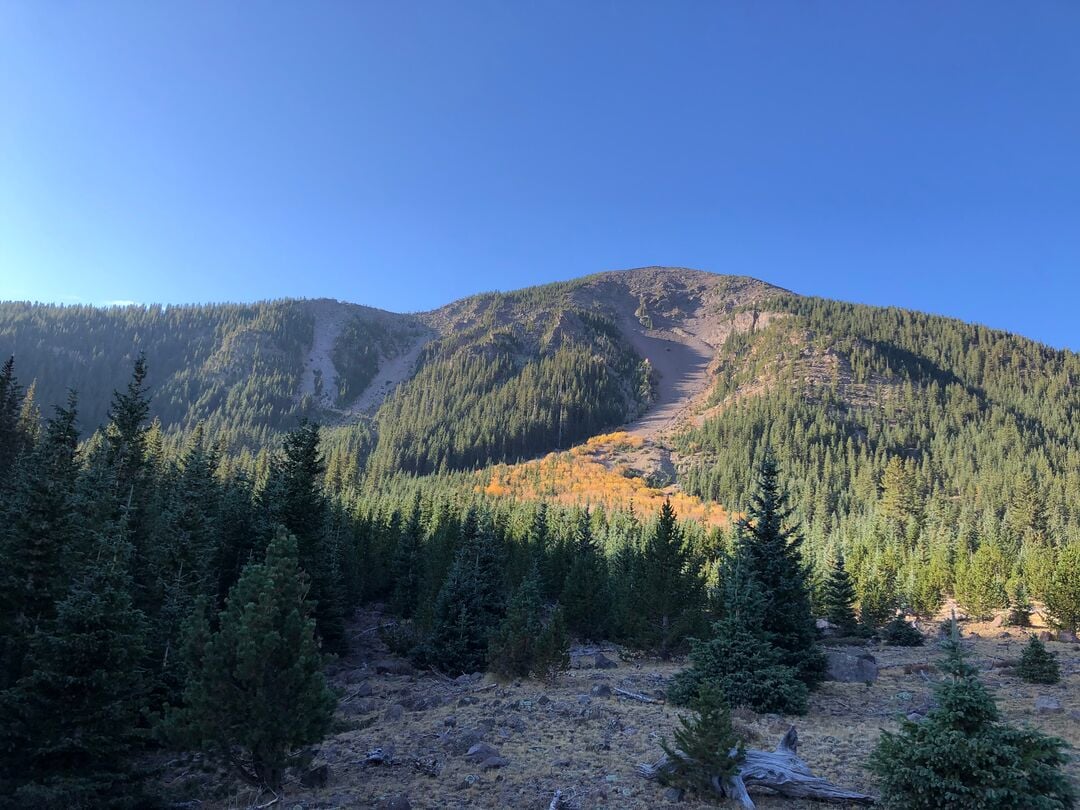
594	473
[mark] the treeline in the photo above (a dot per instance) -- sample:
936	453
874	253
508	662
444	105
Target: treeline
236	368
938	457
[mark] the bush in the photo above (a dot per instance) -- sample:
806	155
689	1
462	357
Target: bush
961	756
705	745
1038	664
899	633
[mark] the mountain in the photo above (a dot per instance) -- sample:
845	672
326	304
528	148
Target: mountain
703	370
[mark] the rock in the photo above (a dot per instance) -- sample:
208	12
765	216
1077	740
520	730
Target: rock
316	777
999	620
398	802
673	794
847	668
1067	637
460	742
1044	704
394	666
394	713
450	721
584	700
469	781
481	752
601	661
914	717
1046	635
463	680
543	700
494	762
601	690
825	627
380	756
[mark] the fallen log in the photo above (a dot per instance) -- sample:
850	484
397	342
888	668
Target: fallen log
781	771
635	696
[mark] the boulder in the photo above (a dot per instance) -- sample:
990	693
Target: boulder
398	802
481	752
847	668
601	690
601	661
394	666
1044	704
494	762
1067	637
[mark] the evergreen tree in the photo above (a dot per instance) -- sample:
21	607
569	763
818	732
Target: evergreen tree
773	553
706	745
899	633
961	755
980	584
407	565
469	605
1037	664
513	646
256	693
38	538
552	655
73	717
12	441
671	589
294	498
585	593
1062	592
839	598
739	658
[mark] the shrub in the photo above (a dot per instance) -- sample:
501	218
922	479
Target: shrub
1038	664
961	755
706	745
899	633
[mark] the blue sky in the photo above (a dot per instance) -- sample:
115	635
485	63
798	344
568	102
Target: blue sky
402	154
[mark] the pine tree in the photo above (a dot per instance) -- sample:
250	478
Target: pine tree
671	589
961	755
294	499
1037	664
39	537
513	646
256	693
585	593
706	745
739	657
980	584
407	565
469	605
73	718
552	655
773	553
839	598
1062	592
899	633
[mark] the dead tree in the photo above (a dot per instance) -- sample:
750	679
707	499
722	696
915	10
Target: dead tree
782	771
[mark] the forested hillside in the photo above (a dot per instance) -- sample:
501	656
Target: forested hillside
920	445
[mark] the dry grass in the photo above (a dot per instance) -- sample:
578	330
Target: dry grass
561	737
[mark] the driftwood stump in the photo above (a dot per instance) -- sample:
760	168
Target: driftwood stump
781	771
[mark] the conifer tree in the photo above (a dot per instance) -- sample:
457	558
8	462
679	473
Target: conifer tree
256	694
980	583
585	597
470	603
899	633
739	658
839	598
38	537
294	498
706	745
1037	664
672	589
73	717
406	569
1062	592
772	551
961	755
514	644
552	655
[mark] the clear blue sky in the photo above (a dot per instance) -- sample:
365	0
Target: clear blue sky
402	154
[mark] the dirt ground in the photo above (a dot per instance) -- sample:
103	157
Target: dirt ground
568	737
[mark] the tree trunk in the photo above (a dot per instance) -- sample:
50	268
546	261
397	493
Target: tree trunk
781	771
